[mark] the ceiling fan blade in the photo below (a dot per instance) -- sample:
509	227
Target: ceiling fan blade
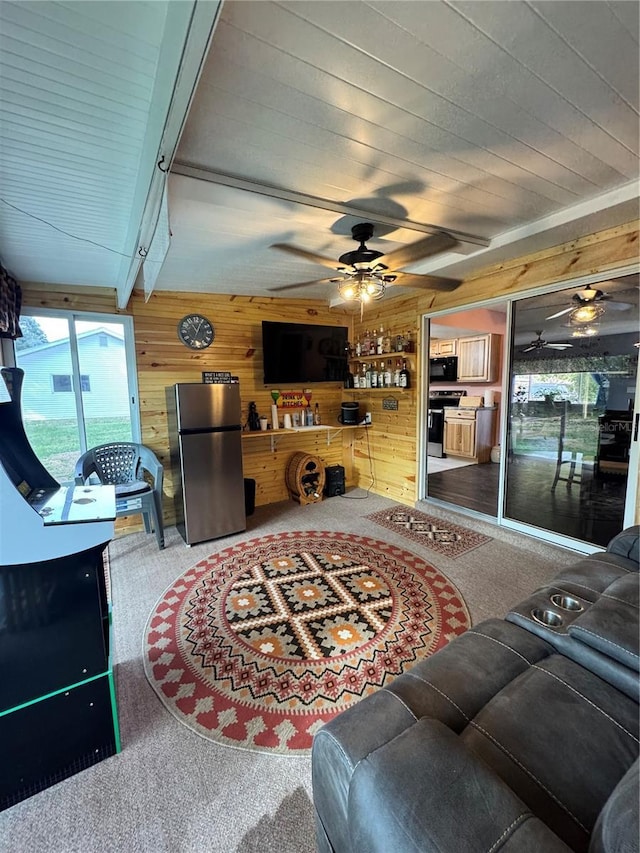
557	346
528	349
304	284
308	256
427	282
431	245
560	313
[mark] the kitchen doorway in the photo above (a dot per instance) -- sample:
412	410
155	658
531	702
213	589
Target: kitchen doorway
465	364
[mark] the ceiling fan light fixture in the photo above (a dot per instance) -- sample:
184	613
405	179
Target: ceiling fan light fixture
363	288
586	313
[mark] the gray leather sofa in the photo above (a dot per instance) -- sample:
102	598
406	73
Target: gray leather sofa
520	735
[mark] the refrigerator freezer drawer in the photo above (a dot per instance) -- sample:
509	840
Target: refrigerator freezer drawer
212	486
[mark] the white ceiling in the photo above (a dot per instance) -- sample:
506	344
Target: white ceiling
512	124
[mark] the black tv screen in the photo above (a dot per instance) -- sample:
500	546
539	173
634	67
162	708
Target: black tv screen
301	352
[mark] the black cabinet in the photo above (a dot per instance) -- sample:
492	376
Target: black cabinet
57	697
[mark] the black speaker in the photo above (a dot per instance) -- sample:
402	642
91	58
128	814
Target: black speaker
333	481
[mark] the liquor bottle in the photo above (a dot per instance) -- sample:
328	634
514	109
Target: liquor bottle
308	415
363	375
405	378
374	375
399	343
380	342
382	376
356	380
316	416
367	383
396	375
364	348
386	344
358	346
388	375
408	342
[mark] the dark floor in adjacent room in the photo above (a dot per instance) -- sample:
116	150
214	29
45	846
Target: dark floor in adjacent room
590	508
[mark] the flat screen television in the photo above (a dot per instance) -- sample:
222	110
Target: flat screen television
302	352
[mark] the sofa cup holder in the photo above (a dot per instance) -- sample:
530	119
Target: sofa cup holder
548	618
566	602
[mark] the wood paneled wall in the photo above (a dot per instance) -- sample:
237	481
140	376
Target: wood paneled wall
382	458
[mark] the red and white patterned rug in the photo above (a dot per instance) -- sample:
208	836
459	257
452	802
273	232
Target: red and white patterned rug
259	645
445	537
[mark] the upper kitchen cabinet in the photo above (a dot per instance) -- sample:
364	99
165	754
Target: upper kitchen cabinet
479	358
442	348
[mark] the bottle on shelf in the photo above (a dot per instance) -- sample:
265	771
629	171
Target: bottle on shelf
358	346
388	375
374	375
367	381
408	342
380	342
308	415
396	375
382	376
399	343
316	416
405	377
364	347
386	344
356	380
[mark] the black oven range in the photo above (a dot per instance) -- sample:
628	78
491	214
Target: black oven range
437	401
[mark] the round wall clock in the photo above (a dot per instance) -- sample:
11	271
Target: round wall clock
195	331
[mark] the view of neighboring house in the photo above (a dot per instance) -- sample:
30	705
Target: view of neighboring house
48	394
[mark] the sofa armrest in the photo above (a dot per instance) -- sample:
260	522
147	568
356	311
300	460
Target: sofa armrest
425	791
627	544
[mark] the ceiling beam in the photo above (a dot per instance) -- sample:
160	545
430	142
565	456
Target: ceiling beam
213	177
189	30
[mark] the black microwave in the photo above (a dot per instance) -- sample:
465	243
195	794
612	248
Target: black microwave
443	369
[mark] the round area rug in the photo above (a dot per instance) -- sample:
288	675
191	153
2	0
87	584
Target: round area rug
261	644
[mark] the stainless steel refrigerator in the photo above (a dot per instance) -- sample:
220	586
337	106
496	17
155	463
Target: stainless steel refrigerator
206	454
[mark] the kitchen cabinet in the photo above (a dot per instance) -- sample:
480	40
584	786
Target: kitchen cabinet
442	348
469	433
479	358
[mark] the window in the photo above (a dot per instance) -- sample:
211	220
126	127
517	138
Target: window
62	382
77	394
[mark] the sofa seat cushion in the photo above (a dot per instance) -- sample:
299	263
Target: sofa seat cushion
561	739
451	686
425	791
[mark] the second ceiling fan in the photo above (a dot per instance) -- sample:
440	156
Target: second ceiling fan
365	273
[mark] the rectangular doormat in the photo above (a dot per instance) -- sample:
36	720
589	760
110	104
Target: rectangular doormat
446	538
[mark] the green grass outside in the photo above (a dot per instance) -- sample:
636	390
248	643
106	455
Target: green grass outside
57	445
535	434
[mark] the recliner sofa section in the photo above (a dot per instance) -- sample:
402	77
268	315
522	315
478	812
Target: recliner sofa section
520	735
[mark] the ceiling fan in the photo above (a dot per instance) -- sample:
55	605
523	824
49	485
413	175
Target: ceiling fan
365	273
586	305
540	343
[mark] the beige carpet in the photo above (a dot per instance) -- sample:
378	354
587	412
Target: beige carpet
170	790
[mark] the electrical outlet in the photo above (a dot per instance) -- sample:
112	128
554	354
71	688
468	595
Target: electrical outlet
367	417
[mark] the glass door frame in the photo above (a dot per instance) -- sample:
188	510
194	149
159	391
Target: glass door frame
501	520
72	317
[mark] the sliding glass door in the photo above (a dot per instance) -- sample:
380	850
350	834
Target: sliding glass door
571	414
80	385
